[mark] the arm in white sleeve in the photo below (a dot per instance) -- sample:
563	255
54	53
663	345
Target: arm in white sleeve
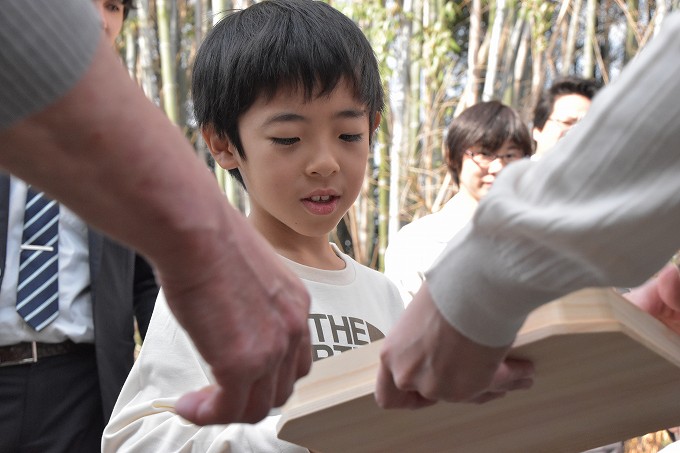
603	209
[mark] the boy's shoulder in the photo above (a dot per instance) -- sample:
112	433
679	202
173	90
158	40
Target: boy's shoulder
365	273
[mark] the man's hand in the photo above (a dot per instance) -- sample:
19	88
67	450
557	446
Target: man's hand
247	316
660	296
425	360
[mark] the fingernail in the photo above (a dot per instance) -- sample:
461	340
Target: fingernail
186	407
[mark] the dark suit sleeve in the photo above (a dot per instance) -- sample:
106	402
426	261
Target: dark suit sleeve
145	293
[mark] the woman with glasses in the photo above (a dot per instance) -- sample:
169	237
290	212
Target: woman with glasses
480	142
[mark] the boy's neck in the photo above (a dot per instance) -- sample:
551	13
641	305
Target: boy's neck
321	257
312	251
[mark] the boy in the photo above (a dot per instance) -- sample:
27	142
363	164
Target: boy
480	142
288	95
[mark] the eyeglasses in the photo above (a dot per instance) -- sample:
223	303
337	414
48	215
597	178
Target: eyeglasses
566	123
483	158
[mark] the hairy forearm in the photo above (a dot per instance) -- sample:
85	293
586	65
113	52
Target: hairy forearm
113	157
119	167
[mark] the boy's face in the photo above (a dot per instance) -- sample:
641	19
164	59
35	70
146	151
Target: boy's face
111	15
476	178
305	161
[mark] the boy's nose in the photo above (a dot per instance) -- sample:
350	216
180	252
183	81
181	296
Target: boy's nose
323	164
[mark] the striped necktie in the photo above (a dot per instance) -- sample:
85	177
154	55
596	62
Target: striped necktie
38	285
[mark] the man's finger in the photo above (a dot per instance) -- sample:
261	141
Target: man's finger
296	365
211	405
388	396
512	374
260	400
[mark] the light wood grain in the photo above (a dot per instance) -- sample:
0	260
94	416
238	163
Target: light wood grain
605	371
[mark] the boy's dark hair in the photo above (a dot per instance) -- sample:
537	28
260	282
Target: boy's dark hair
489	125
562	87
290	44
127	6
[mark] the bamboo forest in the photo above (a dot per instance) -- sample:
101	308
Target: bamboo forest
436	57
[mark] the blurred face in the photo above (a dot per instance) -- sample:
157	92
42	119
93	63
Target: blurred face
480	167
305	162
111	15
568	110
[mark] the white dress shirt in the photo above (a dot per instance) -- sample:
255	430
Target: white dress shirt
75	319
417	245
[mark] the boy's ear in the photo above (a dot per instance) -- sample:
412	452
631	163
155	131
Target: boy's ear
376	122
221	148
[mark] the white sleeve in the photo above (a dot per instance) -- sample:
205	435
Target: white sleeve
603	209
168	366
46	48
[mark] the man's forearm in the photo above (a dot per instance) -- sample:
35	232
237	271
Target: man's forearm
113	157
118	167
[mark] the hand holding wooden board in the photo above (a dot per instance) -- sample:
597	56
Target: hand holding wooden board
605	371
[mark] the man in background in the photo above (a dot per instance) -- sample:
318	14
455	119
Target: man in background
559	108
69	297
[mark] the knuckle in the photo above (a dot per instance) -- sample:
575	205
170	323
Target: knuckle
404	382
256	412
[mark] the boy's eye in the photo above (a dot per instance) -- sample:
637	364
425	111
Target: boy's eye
285	141
113	7
351	137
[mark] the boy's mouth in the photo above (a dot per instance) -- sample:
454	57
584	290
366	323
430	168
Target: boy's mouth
321	204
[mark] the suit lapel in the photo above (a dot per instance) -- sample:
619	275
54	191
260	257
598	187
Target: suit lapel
95	242
4	217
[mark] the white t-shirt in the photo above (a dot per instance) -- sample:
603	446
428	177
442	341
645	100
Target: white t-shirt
349	308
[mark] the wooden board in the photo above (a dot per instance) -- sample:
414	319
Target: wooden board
605	372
